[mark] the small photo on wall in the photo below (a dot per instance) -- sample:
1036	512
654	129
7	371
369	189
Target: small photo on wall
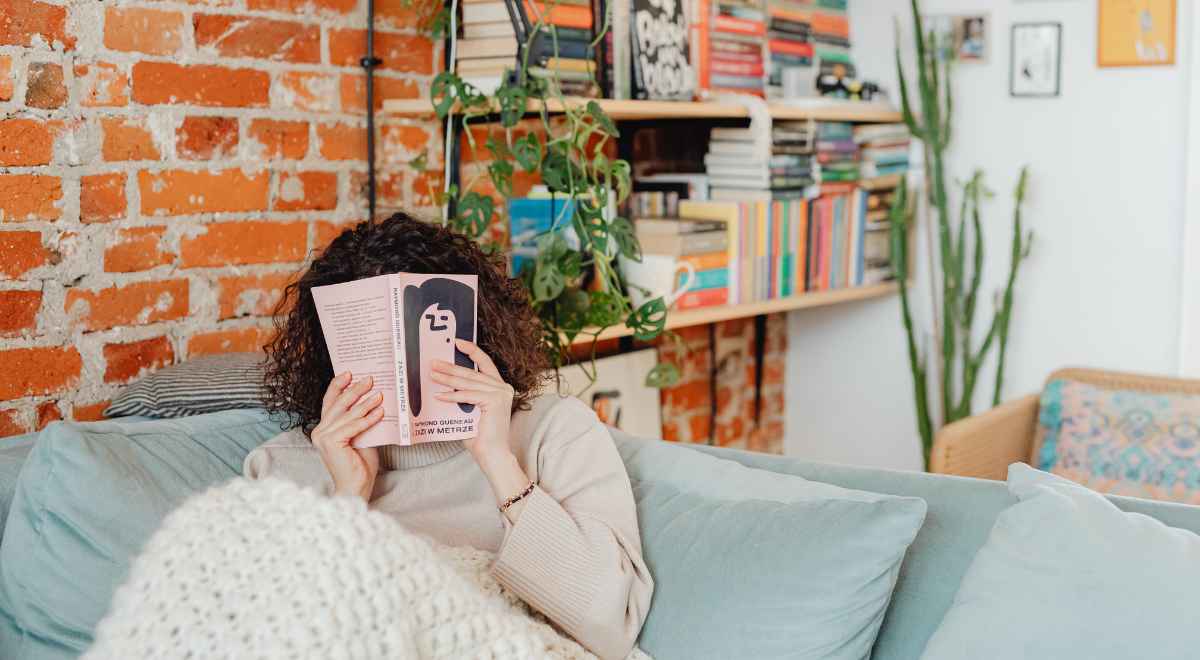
1036	61
960	38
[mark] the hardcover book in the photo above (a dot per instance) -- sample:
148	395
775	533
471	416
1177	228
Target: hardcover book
391	328
660	51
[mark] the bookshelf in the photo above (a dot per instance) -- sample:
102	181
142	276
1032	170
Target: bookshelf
620	110
706	315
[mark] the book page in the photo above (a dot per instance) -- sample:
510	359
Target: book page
357	323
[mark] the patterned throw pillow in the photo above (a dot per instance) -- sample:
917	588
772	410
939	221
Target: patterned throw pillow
1124	442
203	385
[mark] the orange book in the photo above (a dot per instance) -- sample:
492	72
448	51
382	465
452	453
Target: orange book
830	24
703	298
568	16
699	44
707	261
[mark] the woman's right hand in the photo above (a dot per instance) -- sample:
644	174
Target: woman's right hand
346	412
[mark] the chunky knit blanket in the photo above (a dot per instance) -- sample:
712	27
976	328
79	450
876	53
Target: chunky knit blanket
269	570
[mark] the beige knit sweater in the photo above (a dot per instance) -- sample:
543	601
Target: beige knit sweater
574	554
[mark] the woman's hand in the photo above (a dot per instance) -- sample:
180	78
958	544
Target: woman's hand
486	389
347	412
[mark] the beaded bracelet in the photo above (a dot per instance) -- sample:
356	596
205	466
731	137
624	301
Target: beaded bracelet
516	498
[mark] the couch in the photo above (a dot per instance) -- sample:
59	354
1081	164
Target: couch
984	445
961	512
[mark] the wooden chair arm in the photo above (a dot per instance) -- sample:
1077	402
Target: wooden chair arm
986	444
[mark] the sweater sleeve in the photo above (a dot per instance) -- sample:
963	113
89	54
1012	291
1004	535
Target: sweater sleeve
575	553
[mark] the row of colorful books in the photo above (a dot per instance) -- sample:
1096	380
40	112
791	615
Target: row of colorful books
655	50
559	51
757	248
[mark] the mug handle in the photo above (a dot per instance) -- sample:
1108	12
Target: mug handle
688	281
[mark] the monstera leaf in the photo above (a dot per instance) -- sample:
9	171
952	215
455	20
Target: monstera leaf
442	92
649	320
501	173
475	213
548	282
664	374
527	151
605	309
622	232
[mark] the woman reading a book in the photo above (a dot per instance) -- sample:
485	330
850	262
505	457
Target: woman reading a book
541	484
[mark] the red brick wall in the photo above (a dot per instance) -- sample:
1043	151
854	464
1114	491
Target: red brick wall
687	408
164	166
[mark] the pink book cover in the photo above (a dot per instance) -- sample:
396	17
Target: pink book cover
391	328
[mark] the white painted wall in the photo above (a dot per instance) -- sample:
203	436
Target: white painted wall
1106	201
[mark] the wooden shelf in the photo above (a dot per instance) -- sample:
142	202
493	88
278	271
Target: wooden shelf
706	315
831	110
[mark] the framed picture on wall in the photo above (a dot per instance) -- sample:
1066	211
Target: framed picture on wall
1035	67
1135	33
619	395
962	38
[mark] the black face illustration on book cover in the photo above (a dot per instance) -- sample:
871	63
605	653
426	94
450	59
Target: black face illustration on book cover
435	313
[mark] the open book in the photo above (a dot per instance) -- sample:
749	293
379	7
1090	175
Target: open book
391	328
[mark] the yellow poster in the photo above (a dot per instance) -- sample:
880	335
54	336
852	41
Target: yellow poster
1136	33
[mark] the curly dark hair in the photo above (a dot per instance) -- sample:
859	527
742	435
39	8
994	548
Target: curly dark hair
298	369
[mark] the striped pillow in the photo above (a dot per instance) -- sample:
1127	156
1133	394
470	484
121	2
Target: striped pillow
203	385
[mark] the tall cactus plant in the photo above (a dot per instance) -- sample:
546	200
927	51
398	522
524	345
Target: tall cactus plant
959	361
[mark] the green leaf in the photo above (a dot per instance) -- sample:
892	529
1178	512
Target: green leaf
590	226
547	282
442	91
621	173
475	214
622	232
439	26
420	163
556	171
498	149
602	119
664	374
512	104
501	172
649	320
605	310
551	246
528	152
571	264
572	310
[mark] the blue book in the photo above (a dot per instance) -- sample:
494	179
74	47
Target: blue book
715	278
529	219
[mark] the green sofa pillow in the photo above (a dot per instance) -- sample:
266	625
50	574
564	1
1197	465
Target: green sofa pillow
1067	574
755	564
88	497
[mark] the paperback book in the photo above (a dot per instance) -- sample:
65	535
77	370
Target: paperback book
391	328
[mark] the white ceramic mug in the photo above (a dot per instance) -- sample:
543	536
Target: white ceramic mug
656	275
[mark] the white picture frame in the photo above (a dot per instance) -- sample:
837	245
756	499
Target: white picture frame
620	396
1035	64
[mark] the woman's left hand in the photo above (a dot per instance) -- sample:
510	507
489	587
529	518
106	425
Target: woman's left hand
484	388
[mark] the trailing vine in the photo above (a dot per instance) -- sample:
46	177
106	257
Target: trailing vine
575	292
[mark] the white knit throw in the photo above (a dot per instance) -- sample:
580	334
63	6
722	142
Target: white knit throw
267	569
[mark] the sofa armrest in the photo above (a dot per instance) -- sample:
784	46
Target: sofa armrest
986	444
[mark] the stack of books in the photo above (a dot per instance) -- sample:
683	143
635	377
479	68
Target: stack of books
831	38
560	52
727	46
884	148
789	42
738	159
702	242
837	152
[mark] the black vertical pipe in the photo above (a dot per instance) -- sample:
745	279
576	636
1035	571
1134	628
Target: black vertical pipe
369	62
760	344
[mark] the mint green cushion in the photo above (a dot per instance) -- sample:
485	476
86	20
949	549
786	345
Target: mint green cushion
1067	574
756	564
88	497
